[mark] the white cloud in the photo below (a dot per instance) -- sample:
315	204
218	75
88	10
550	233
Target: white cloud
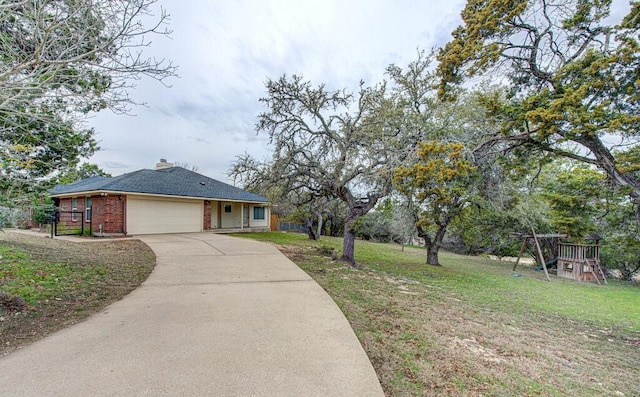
226	50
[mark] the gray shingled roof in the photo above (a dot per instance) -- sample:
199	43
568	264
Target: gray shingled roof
174	181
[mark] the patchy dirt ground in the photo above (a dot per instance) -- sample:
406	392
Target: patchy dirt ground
107	271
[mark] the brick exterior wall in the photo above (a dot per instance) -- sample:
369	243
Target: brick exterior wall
108	211
66	205
207	215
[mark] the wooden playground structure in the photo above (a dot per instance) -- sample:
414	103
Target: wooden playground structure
579	262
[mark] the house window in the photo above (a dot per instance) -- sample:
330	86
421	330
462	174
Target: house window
87	207
227	208
74	207
258	213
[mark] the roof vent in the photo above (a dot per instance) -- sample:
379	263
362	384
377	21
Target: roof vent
163	164
202	183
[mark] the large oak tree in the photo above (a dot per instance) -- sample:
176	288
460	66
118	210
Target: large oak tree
329	144
573	79
439	182
439	175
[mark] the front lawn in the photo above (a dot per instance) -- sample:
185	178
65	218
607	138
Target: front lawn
46	285
471	328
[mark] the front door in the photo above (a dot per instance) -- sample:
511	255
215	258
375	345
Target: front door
245	216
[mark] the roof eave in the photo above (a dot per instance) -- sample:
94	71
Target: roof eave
84	193
113	192
197	198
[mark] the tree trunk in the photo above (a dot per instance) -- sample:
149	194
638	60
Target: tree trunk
310	231
320	223
433	246
348	246
349	238
428	245
357	209
323	229
432	255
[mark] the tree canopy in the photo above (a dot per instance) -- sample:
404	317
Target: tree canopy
563	82
328	144
60	60
439	182
574	79
83	171
438	177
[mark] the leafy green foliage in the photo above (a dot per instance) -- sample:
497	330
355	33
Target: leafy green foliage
36	150
573	79
576	195
488	225
377	224
439	178
59	61
439	182
582	202
83	171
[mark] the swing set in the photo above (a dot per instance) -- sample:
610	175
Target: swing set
579	262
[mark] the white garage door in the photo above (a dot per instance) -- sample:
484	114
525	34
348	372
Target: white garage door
150	216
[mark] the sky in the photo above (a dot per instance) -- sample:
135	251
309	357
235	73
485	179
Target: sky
226	51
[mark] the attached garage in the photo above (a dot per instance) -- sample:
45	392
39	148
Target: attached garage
165	200
147	215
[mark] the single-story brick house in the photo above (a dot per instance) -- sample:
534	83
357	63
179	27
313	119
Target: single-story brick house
165	200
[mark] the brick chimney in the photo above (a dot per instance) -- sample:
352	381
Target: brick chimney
163	164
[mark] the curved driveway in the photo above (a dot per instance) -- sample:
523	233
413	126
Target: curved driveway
218	316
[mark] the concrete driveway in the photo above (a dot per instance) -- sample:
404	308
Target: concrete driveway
219	316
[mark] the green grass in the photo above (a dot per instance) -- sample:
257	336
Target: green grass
469	327
38	281
47	284
488	283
